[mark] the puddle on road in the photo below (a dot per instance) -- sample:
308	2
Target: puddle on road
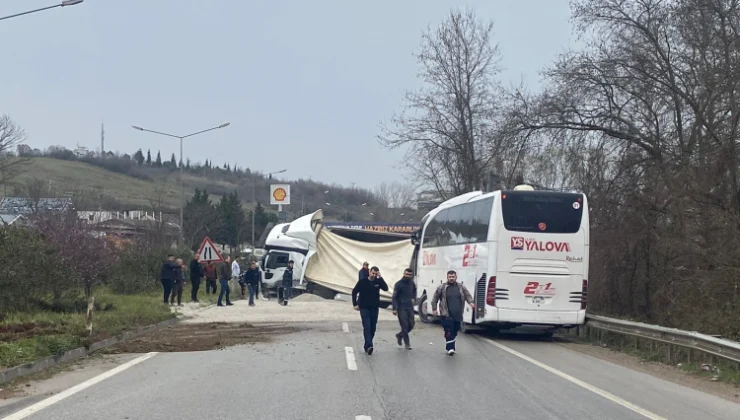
200	337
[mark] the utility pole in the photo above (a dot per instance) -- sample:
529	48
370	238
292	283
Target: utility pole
102	140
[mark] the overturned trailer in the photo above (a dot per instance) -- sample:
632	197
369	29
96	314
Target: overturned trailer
328	257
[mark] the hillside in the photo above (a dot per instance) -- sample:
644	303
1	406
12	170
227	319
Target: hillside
147	187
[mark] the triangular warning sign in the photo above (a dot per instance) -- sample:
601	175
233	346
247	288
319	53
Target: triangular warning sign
208	252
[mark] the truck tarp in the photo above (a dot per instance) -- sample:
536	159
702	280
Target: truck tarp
338	260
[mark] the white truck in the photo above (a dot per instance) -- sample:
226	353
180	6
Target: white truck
294	241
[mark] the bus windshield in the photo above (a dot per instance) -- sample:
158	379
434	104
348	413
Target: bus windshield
542	211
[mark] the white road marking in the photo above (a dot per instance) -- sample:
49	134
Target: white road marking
22	414
363	418
598	391
345	327
350	353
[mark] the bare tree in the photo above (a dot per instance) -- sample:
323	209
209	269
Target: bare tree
34	190
449	127
396	194
647	122
11	135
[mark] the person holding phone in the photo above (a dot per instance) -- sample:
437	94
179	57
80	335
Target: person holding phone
368	303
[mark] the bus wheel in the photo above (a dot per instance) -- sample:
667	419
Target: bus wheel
423	316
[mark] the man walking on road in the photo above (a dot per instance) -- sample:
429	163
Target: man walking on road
404	294
252	278
287	282
368	304
224	275
167	276
451	297
196	273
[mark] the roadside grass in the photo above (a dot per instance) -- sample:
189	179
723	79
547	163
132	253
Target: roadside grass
689	361
29	336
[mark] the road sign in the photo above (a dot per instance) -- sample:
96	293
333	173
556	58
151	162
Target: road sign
280	194
208	252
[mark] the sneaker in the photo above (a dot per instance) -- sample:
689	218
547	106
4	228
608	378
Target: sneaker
220	304
408	346
451	352
370	350
229	304
399	339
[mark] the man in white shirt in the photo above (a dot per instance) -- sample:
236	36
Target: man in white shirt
235	273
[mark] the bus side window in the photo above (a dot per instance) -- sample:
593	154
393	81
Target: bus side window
481	220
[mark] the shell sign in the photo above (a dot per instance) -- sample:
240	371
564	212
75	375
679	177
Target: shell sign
280	194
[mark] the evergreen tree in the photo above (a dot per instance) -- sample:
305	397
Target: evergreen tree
149	157
158	162
139	157
173	161
232	220
199	218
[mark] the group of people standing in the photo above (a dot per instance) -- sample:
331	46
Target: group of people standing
451	297
172	277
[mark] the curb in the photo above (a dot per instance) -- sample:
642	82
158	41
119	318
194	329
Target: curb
80	352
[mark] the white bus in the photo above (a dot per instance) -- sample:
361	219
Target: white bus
523	254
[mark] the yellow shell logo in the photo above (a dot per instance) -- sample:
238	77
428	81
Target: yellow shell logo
279	194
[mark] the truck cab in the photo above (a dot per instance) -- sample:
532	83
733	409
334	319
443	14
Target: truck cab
290	241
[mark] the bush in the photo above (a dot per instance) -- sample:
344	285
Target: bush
34	270
138	265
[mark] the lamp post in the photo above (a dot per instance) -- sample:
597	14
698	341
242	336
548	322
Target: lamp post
65	3
254	199
182	184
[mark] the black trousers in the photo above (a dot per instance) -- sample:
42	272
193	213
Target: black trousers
176	293
167	287
211	286
407	321
369	323
194	286
451	328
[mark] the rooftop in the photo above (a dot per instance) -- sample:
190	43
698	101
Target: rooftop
22	205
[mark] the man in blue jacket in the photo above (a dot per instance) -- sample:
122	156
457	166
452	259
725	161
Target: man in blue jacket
368	303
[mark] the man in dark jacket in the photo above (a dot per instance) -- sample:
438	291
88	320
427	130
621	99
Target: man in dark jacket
404	293
368	303
287	282
364	271
224	276
196	273
252	278
167	276
178	282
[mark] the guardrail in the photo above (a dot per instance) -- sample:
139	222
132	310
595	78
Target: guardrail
720	347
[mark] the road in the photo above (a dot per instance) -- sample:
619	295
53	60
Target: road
319	372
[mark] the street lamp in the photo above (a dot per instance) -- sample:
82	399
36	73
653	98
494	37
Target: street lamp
182	183
254	199
62	4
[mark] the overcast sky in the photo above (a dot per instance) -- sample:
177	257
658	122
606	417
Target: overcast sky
303	83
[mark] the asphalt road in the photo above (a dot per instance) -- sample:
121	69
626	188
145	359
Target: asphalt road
307	375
